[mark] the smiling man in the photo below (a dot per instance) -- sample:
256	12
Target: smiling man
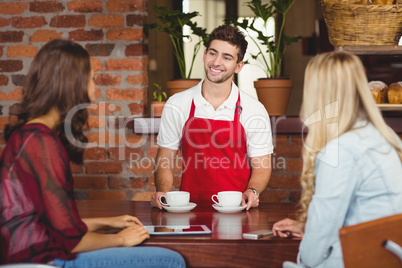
224	134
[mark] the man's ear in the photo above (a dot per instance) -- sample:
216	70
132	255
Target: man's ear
239	67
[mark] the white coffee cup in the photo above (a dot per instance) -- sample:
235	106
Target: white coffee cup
175	198
228	198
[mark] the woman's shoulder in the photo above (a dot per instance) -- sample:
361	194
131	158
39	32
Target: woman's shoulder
33	135
359	140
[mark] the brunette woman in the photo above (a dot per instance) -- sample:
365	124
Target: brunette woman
39	219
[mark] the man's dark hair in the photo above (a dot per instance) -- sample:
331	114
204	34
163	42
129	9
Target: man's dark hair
232	35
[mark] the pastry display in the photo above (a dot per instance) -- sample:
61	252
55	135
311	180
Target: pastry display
395	93
379	91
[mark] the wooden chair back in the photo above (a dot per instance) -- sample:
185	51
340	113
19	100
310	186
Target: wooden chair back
362	244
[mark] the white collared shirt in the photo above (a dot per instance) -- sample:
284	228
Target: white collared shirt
254	118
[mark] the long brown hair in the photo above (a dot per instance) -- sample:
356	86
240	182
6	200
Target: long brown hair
336	95
58	76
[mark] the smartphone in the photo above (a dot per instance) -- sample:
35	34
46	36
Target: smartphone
257	234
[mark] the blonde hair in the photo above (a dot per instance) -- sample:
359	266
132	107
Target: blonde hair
336	95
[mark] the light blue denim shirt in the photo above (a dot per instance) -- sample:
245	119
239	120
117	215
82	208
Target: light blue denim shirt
358	179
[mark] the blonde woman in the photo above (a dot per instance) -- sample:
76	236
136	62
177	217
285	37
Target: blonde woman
352	169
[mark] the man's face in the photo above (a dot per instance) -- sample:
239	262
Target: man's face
220	61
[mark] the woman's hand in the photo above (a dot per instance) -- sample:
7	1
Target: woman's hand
133	235
287	228
123	221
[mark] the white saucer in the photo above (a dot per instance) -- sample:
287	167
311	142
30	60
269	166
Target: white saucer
228	209
187	208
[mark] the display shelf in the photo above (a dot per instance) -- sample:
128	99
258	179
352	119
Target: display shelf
372	50
390	107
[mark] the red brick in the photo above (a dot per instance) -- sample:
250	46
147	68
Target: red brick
100	167
138	183
99	49
16	94
143	196
3	81
107	80
176	182
96	122
95	153
278	181
97	94
82	35
136	108
103	138
11	36
106	195
152	151
297	138
119	183
129	154
4	120
28	22
288	150
125	5
125	34
139	79
2	141
178	166
75	169
46	7
10	65
134	140
294	165
103	108
119	122
45	36
85	6
1	51
125	94
152	139
21	51
125	65
273	196
13	8
151	183
68	21
96	65
136	20
4	22
90	182
280	139
136	50
142	167
106	21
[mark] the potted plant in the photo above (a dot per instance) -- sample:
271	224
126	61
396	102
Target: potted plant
172	22
274	89
159	101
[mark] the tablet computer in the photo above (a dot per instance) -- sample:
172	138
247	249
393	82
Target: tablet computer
177	229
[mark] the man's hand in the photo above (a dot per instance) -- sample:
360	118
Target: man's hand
287	228
251	198
155	199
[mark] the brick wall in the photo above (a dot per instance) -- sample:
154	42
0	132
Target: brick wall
120	165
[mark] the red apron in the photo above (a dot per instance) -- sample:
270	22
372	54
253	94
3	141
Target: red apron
214	156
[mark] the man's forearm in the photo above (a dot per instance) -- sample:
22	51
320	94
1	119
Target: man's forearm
260	173
163	179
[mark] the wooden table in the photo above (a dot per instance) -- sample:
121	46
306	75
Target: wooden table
225	247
